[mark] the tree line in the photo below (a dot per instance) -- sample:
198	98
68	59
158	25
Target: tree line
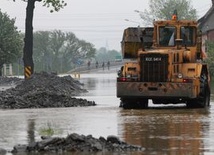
57	51
11	41
60	52
54	51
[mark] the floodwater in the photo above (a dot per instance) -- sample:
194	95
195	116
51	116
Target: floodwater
162	130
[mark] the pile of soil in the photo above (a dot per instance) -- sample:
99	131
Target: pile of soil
9	81
42	90
46	90
77	143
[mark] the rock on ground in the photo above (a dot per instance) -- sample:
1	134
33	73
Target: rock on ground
77	143
10	80
43	90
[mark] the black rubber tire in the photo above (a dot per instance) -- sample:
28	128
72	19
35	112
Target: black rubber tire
203	100
134	104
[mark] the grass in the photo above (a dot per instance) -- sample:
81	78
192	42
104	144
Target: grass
48	130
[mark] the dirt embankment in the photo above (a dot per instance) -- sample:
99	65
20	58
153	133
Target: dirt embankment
42	90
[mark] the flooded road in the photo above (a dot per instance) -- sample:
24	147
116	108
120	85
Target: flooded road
159	129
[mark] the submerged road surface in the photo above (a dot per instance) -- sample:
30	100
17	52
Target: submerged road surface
159	129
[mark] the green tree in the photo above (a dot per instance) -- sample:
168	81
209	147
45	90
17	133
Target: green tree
87	50
210	56
57	40
10	41
163	10
104	55
42	53
113	54
57	51
78	51
55	5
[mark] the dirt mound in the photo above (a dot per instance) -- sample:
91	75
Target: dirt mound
44	90
4	81
77	143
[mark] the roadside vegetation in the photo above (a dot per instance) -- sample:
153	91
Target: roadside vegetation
49	129
163	9
54	51
60	52
210	57
11	41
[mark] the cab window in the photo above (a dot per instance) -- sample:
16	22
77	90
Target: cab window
167	35
188	34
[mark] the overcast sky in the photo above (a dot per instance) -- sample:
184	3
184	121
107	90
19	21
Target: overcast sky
100	22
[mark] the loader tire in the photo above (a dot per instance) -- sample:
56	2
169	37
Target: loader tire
203	99
134	103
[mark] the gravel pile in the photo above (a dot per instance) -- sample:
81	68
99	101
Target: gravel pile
42	90
6	81
77	143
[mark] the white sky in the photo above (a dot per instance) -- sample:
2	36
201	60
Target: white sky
100	22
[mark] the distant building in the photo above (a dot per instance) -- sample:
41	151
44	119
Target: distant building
7	70
206	25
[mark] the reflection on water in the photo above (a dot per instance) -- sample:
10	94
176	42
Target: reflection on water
166	131
159	129
99	84
31	131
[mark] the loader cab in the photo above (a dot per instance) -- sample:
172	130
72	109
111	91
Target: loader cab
188	35
166	33
170	33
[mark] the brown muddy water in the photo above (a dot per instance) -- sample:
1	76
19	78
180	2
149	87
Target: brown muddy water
162	130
